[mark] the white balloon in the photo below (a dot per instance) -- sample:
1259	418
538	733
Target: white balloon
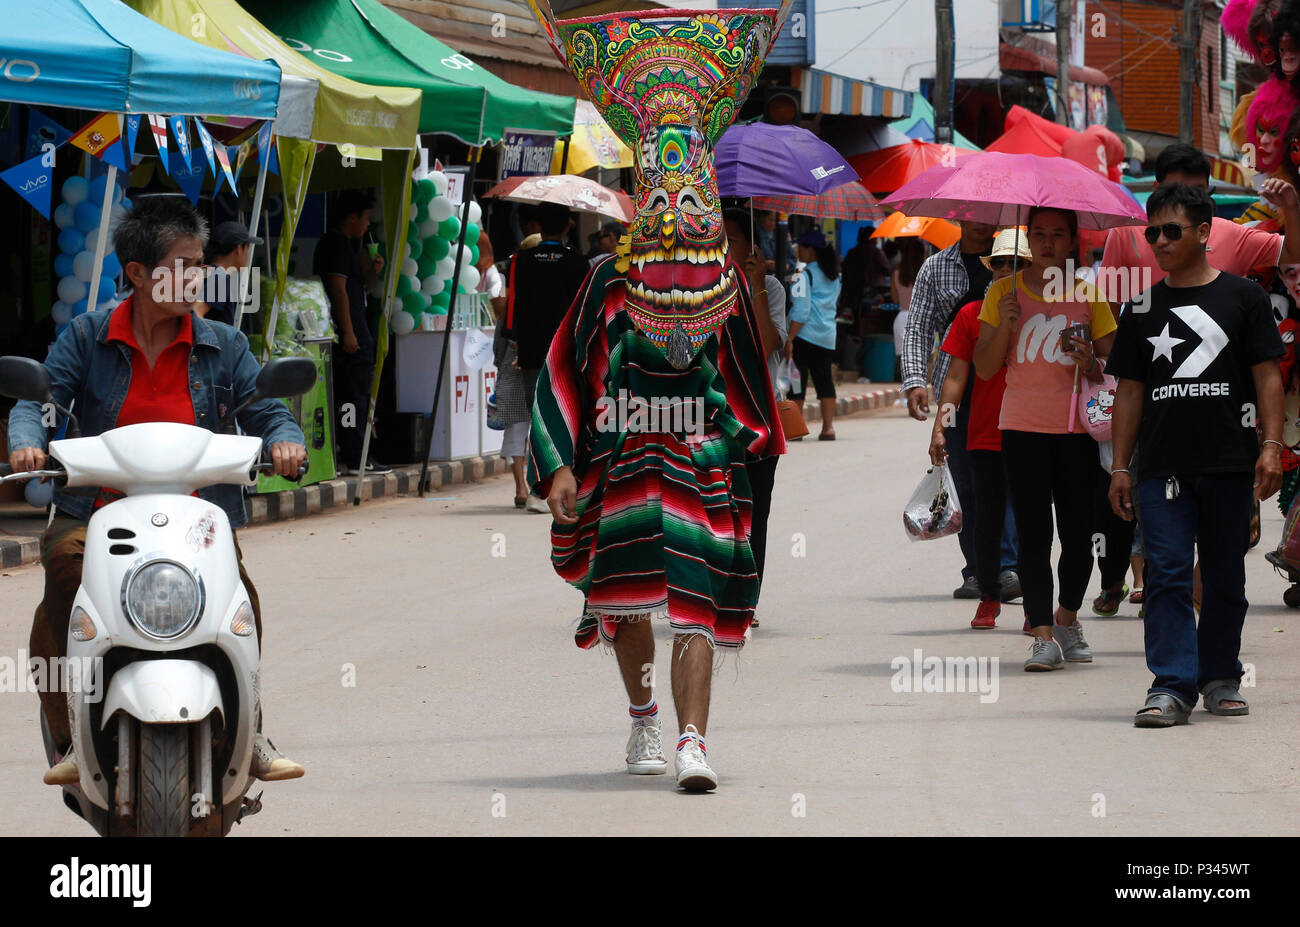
38	494
443	269
469	277
71	289
83	265
61	313
63	215
410	268
432	286
413	280
406	250
475	212
428	228
440	209
439	182
403	322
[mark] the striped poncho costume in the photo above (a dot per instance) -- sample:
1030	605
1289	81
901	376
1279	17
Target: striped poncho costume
663	516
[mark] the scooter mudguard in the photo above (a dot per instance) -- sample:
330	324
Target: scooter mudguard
163	692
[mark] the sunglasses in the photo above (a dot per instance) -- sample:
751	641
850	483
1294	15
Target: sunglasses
999	263
1171	230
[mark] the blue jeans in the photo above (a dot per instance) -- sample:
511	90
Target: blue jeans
1211	515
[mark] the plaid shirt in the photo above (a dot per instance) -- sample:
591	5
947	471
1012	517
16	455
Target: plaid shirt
940	285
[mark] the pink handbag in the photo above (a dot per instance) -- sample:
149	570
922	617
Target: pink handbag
1096	406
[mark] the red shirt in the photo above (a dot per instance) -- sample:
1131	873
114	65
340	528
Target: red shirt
161	394
982	433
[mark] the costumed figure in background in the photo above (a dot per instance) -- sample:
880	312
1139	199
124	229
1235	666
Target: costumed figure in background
656	385
1286	558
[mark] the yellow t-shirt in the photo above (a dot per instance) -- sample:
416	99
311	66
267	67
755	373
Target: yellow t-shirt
1040	377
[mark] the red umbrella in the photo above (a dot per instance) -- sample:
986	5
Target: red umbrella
889	168
1026	138
568	190
850	201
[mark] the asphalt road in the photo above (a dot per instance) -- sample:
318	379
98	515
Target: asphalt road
474	713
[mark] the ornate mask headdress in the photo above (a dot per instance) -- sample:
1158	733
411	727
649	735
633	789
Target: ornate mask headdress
669	83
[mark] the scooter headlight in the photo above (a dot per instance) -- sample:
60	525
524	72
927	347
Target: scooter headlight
162	598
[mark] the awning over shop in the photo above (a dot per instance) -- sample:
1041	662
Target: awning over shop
100	55
920	125
833	95
363	40
335	110
1228	172
1015	58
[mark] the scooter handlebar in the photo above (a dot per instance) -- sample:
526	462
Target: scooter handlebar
269	468
32	474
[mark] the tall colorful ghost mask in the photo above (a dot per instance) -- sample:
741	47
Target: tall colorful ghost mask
669	83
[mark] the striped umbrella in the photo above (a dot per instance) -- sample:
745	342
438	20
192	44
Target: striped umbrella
850	201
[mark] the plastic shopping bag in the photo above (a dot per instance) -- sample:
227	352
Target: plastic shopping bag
934	510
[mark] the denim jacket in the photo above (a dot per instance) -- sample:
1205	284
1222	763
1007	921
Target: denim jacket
88	369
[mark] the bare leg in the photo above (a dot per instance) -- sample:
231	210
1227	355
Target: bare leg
692	680
521	485
1136	564
635	648
828	416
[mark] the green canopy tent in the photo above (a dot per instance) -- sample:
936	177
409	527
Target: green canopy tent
366	41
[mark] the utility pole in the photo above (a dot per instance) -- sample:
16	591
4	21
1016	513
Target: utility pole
945	64
1187	62
1063	26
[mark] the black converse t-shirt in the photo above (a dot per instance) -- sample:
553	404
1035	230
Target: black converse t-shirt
1193	349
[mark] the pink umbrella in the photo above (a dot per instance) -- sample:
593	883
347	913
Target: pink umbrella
567	190
998	188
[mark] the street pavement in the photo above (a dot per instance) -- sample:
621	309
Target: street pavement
474	713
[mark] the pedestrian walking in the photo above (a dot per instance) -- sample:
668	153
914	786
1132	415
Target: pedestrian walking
947	281
1197	370
996	562
1048	329
810	343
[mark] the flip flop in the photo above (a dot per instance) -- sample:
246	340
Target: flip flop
1162	710
826	437
1215	693
1107	604
520	501
1137	597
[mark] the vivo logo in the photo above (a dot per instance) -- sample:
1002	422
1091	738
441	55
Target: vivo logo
248	90
35	183
20	70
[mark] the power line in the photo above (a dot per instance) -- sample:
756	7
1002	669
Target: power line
898	9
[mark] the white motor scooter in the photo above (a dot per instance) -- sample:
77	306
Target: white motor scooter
162	647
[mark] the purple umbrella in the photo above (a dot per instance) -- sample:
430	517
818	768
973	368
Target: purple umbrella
767	160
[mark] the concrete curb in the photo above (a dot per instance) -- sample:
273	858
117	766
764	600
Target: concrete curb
404	481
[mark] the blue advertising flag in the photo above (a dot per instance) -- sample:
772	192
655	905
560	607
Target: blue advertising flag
42	130
33	181
265	141
189	177
182	136
132	130
206	139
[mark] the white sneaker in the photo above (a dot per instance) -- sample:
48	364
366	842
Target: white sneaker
693	772
537	504
645	749
269	764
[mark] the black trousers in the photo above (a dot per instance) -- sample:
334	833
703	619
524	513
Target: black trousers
1116	536
762	476
1045	471
815	361
352	375
990	482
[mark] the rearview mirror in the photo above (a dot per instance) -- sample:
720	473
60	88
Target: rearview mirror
286	376
24	378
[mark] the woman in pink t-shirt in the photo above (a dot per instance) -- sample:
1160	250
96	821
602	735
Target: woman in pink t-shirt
1047	463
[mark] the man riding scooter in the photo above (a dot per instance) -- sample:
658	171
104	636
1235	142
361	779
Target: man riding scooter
151	359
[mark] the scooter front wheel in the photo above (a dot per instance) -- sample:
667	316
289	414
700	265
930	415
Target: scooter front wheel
164	809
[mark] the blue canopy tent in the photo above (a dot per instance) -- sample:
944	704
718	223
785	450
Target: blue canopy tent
101	55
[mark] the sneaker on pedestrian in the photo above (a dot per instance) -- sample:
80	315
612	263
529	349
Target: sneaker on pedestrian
1044	655
1009	585
1070	637
970	589
269	764
986	615
373	468
645	748
537	504
64	772
693	771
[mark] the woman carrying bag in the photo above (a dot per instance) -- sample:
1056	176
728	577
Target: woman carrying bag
811	344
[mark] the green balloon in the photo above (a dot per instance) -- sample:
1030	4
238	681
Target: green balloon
403	285
438	247
442	299
413	303
417	249
412	231
473	255
449	228
420	213
424	191
425	264
472	232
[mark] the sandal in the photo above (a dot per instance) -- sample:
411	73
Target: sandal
520	501
1215	693
1107	604
1162	710
1254	525
1137	597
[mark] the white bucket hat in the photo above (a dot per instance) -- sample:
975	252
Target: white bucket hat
1005	245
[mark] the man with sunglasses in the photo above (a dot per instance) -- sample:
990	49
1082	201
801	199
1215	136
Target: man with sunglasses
1197	365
